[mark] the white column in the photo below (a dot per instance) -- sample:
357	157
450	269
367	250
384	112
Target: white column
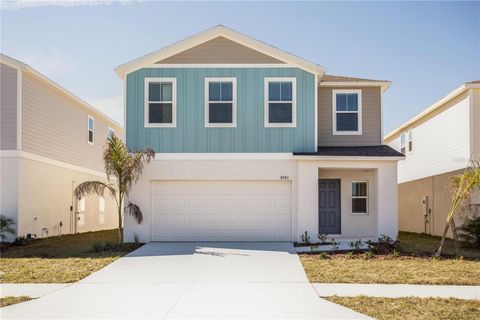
387	200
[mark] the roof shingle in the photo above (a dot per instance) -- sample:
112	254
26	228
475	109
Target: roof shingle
354	151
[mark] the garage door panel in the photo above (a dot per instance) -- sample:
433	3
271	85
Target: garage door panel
221	211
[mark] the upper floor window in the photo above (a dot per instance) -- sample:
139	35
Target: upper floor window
359	197
410	140
406	141
280	102
220	102
402	143
160	102
110	133
90	129
347	112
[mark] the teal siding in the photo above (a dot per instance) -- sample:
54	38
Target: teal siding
250	135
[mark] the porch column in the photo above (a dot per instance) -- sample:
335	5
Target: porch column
387	197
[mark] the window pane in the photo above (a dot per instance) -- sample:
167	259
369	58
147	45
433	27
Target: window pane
153	91
410	145
410	134
214	91
341	102
286	91
359	205
90	123
347	121
280	113
274	91
90	136
402	140
220	113
359	189
166	92
226	91
352	102
160	113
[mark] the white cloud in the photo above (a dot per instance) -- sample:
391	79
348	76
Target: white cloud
22	4
111	106
52	63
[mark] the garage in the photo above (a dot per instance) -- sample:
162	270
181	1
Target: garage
221	210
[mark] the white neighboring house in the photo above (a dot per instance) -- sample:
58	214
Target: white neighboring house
437	143
50	142
255	144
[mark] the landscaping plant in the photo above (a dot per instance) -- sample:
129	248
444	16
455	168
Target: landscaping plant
470	232
463	187
6	227
123	169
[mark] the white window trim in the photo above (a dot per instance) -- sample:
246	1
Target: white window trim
294	103
334	112
108	131
88	130
360	197
408	139
234	103
147	123
403	143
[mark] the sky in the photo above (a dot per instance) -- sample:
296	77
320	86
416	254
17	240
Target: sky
426	49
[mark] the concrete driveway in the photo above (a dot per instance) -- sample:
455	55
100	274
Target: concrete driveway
191	281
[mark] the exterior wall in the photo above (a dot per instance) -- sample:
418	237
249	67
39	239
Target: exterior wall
8	107
440	144
250	135
383	216
55	126
475	122
46	196
9	189
304	182
371	119
220	50
410	209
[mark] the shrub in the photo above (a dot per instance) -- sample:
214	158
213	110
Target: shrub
305	237
20	241
469	232
98	246
334	246
322	237
356	245
383	245
6	227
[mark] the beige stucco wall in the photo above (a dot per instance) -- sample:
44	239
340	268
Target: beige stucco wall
8	107
371	119
410	209
55	126
9	188
46	197
220	50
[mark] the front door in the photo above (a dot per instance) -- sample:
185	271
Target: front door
329	206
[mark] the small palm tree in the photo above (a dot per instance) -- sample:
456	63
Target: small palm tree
122	169
6	226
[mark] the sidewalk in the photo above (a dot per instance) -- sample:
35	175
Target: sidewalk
397	290
32	290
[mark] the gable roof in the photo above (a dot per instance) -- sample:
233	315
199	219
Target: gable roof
209	34
9	61
340	81
434	107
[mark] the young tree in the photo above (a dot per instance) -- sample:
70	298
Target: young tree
463	187
123	169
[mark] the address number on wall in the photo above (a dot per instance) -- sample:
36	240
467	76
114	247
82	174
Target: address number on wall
284	177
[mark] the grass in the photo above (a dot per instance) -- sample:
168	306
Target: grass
8	301
62	259
412	308
415	265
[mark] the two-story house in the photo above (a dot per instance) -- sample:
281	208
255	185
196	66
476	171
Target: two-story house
50	142
438	144
255	144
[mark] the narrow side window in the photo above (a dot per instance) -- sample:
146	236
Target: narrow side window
90	129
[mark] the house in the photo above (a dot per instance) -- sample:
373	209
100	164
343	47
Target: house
437	143
50	142
255	144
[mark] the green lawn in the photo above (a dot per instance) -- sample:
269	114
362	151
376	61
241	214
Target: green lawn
8	301
412	308
415	265
62	259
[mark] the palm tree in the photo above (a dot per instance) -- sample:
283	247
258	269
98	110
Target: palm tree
463	187
122	169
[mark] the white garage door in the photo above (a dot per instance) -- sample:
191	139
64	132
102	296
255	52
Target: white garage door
221	211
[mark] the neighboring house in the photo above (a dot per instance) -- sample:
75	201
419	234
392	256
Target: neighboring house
50	142
255	144
438	144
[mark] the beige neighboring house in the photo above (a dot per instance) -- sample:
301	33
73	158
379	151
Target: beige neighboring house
437	143
50	142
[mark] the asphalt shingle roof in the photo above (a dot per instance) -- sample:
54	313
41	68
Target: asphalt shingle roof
356	151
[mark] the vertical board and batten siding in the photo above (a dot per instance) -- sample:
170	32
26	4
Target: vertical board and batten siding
441	143
8	107
55	126
220	50
250	135
371	119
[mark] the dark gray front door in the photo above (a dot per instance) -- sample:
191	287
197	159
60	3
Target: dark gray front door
329	206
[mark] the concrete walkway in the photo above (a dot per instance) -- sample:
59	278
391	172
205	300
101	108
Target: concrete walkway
191	281
397	290
32	290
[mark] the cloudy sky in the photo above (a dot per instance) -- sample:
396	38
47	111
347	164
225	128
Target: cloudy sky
426	49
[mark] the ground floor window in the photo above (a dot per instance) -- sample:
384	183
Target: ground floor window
359	197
